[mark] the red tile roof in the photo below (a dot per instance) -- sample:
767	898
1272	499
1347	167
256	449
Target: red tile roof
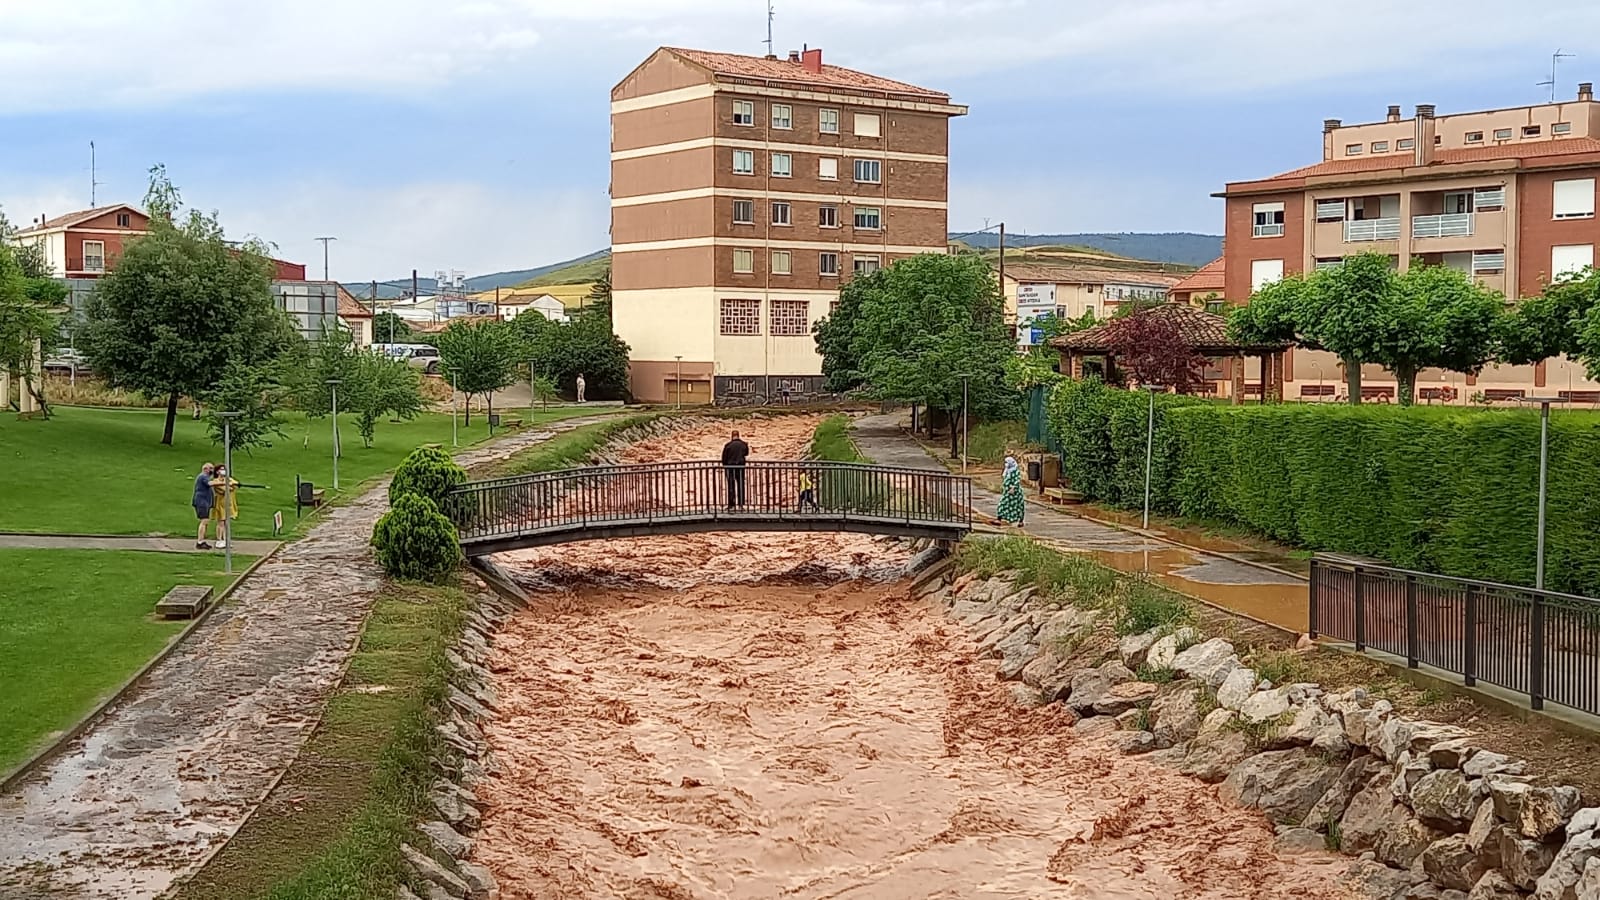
1205	332
1205	279
1084	275
73	218
740	66
350	307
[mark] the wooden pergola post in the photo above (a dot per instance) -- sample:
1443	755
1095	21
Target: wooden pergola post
1238	378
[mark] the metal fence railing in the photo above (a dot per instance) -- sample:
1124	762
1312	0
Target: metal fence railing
1540	643
681	492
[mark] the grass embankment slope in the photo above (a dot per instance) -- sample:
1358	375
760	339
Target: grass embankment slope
333	826
105	471
832	442
83	626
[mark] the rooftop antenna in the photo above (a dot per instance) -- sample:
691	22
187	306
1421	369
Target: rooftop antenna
769	27
1555	59
93	184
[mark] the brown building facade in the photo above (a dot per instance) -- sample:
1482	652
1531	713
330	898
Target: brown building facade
1508	196
744	191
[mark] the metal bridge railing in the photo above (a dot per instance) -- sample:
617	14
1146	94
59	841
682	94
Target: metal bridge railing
1540	643
705	491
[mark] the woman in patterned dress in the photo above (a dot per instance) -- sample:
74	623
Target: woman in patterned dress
1011	502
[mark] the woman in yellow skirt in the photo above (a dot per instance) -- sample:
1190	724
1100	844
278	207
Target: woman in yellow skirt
225	490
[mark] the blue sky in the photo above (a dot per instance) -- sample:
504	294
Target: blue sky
473	135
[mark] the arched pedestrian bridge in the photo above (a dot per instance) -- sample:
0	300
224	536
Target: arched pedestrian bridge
598	502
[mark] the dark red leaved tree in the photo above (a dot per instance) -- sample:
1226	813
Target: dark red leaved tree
1151	349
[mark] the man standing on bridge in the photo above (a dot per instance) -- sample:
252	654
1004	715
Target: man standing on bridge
734	453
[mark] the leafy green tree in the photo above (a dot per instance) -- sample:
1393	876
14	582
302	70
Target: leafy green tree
254	392
597	302
1346	310
479	358
910	331
1441	318
427	472
1561	321
28	318
183	306
415	541
332	356
379	387
561	351
545	389
388	328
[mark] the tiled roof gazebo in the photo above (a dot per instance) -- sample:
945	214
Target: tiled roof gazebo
1206	332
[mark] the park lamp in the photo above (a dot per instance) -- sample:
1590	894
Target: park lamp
227	491
965	377
1544	469
333	386
1149	446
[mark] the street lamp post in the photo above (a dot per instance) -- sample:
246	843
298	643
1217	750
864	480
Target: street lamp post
678	381
1149	451
964	376
531	389
227	488
453	441
333	385
1544	468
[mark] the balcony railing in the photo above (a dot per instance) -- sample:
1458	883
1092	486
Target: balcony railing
1372	230
86	264
1273	230
1448	225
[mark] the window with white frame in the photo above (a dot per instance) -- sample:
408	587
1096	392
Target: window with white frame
1474	137
744	112
1568	258
741	316
1353	149
828	216
744	212
791	318
124	220
869	218
828	264
744	162
94	256
782	116
1561	128
828	121
867	125
1574	199
1330	210
744	261
869	171
1488	262
782	165
1502	134
1489	198
780	212
865	265
1380	146
781	262
1530	131
1265	271
1406	144
828	168
1329	262
1268	220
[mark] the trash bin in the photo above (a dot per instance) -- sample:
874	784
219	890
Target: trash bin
1034	470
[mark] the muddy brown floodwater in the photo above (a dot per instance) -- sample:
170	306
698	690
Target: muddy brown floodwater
752	716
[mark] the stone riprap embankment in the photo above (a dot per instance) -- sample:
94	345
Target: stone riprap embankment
1430	815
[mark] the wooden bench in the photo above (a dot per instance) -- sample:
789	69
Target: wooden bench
510	423
1062	496
184	601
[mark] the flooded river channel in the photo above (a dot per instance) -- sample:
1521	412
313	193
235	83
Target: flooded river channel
771	715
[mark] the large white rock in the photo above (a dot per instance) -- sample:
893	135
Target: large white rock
1165	650
1567	871
1236	688
1265	706
1210	662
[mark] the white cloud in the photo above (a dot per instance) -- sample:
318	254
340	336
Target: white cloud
160	52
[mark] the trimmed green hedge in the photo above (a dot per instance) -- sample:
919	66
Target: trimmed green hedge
1439	490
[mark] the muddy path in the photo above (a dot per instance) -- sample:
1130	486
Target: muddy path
744	716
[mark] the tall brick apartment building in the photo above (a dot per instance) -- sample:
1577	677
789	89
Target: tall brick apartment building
1507	195
744	191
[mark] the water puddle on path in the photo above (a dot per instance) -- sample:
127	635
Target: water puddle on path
761	716
1249	590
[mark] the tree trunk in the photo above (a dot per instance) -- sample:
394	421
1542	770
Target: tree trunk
955	433
172	418
489	413
1407	378
466	410
1352	381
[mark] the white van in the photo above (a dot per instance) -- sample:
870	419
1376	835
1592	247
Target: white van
420	356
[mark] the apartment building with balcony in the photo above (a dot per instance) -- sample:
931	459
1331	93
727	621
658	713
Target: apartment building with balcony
744	191
1507	196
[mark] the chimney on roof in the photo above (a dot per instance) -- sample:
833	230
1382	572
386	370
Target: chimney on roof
794	57
1585	92
1394	113
1328	127
811	60
1426	129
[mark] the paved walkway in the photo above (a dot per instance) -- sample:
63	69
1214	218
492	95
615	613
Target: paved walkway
176	767
123	542
1256	592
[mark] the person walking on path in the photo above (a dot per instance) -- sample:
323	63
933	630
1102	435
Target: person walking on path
225	505
734	454
1012	505
581	385
808	492
202	502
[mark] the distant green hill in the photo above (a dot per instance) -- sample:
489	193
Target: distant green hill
1182	247
581	271
398	287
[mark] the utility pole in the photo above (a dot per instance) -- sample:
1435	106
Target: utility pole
325	241
1002	259
93	184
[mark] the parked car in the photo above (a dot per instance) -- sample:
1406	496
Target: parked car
65	362
419	356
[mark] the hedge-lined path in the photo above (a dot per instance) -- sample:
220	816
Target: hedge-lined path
1272	597
176	767
122	542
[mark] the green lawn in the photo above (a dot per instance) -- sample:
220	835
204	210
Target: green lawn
79	626
105	471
